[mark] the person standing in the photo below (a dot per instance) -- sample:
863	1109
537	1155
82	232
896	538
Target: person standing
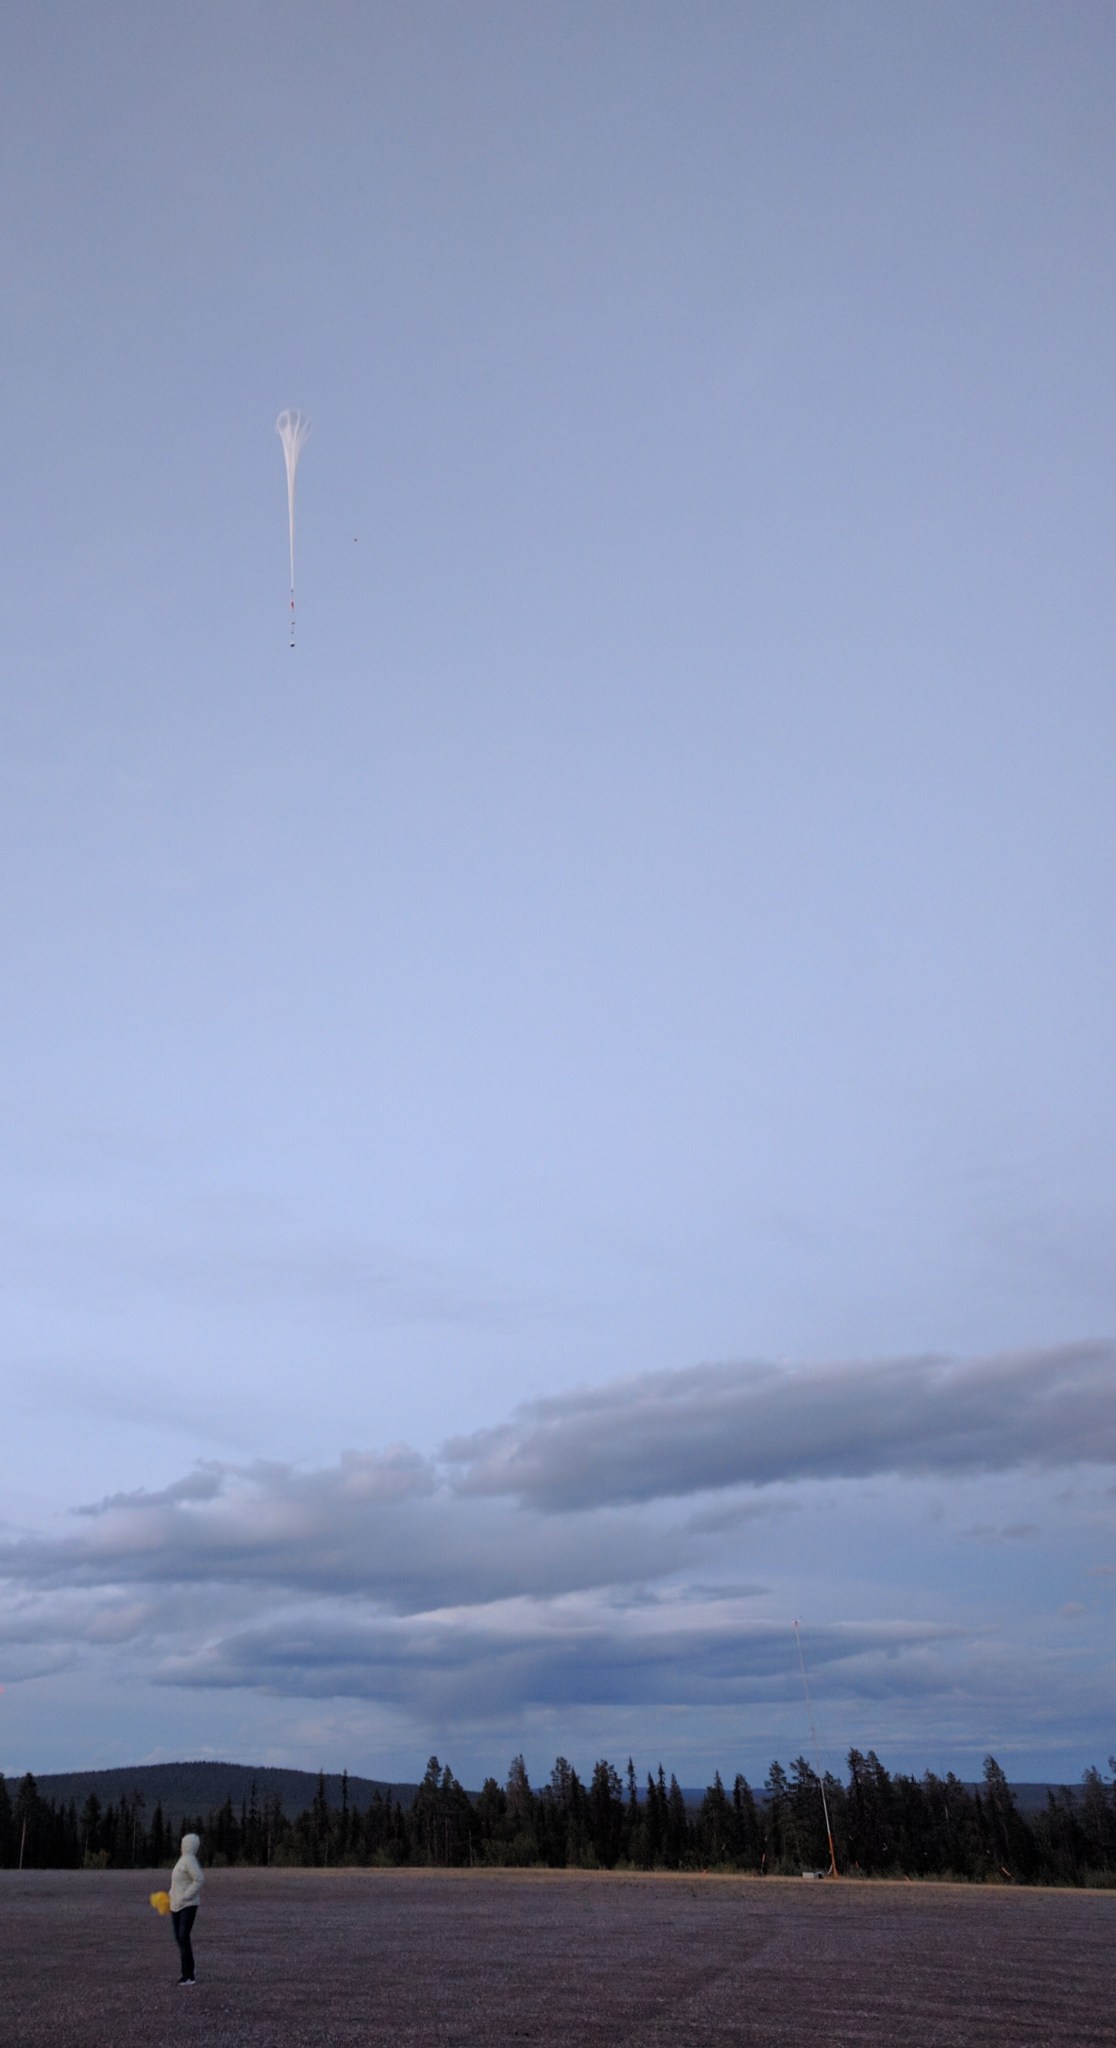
187	1879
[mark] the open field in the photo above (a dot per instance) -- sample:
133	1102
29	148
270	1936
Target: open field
287	1959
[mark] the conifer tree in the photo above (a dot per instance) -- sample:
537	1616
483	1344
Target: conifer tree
715	1825
6	1839
748	1844
606	1813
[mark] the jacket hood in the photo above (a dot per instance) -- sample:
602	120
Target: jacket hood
191	1844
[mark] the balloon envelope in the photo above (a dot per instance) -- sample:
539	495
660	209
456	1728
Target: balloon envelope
292	429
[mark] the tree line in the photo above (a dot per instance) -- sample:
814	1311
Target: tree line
882	1824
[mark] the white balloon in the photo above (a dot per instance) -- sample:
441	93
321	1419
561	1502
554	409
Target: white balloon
292	429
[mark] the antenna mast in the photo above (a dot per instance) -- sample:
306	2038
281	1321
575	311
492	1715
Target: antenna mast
833	1870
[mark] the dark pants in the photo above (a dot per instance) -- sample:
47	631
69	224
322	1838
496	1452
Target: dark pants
182	1922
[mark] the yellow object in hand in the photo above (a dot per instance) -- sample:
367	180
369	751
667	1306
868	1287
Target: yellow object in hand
161	1902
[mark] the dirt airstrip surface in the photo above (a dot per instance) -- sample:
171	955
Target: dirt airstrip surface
329	1959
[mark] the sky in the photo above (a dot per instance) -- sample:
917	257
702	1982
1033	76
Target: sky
567	1123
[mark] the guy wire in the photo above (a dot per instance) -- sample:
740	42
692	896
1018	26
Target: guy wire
833	1870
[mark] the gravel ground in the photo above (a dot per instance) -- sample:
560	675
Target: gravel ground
329	1959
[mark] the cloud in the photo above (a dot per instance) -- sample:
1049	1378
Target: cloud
681	1653
990	1532
382	1527
539	1570
223	1261
203	1483
669	1434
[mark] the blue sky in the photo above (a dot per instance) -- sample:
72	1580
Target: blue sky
568	1122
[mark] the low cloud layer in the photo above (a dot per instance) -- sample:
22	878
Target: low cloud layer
379	1527
546	1567
668	1434
685	1653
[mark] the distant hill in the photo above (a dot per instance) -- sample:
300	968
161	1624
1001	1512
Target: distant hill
1030	1799
198	1788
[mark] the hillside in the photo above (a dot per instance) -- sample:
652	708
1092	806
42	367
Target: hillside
198	1788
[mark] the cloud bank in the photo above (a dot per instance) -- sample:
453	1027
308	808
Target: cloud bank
669	1434
634	1548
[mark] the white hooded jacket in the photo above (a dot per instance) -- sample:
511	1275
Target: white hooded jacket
187	1877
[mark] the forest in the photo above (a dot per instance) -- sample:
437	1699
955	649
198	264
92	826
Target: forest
880	1824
